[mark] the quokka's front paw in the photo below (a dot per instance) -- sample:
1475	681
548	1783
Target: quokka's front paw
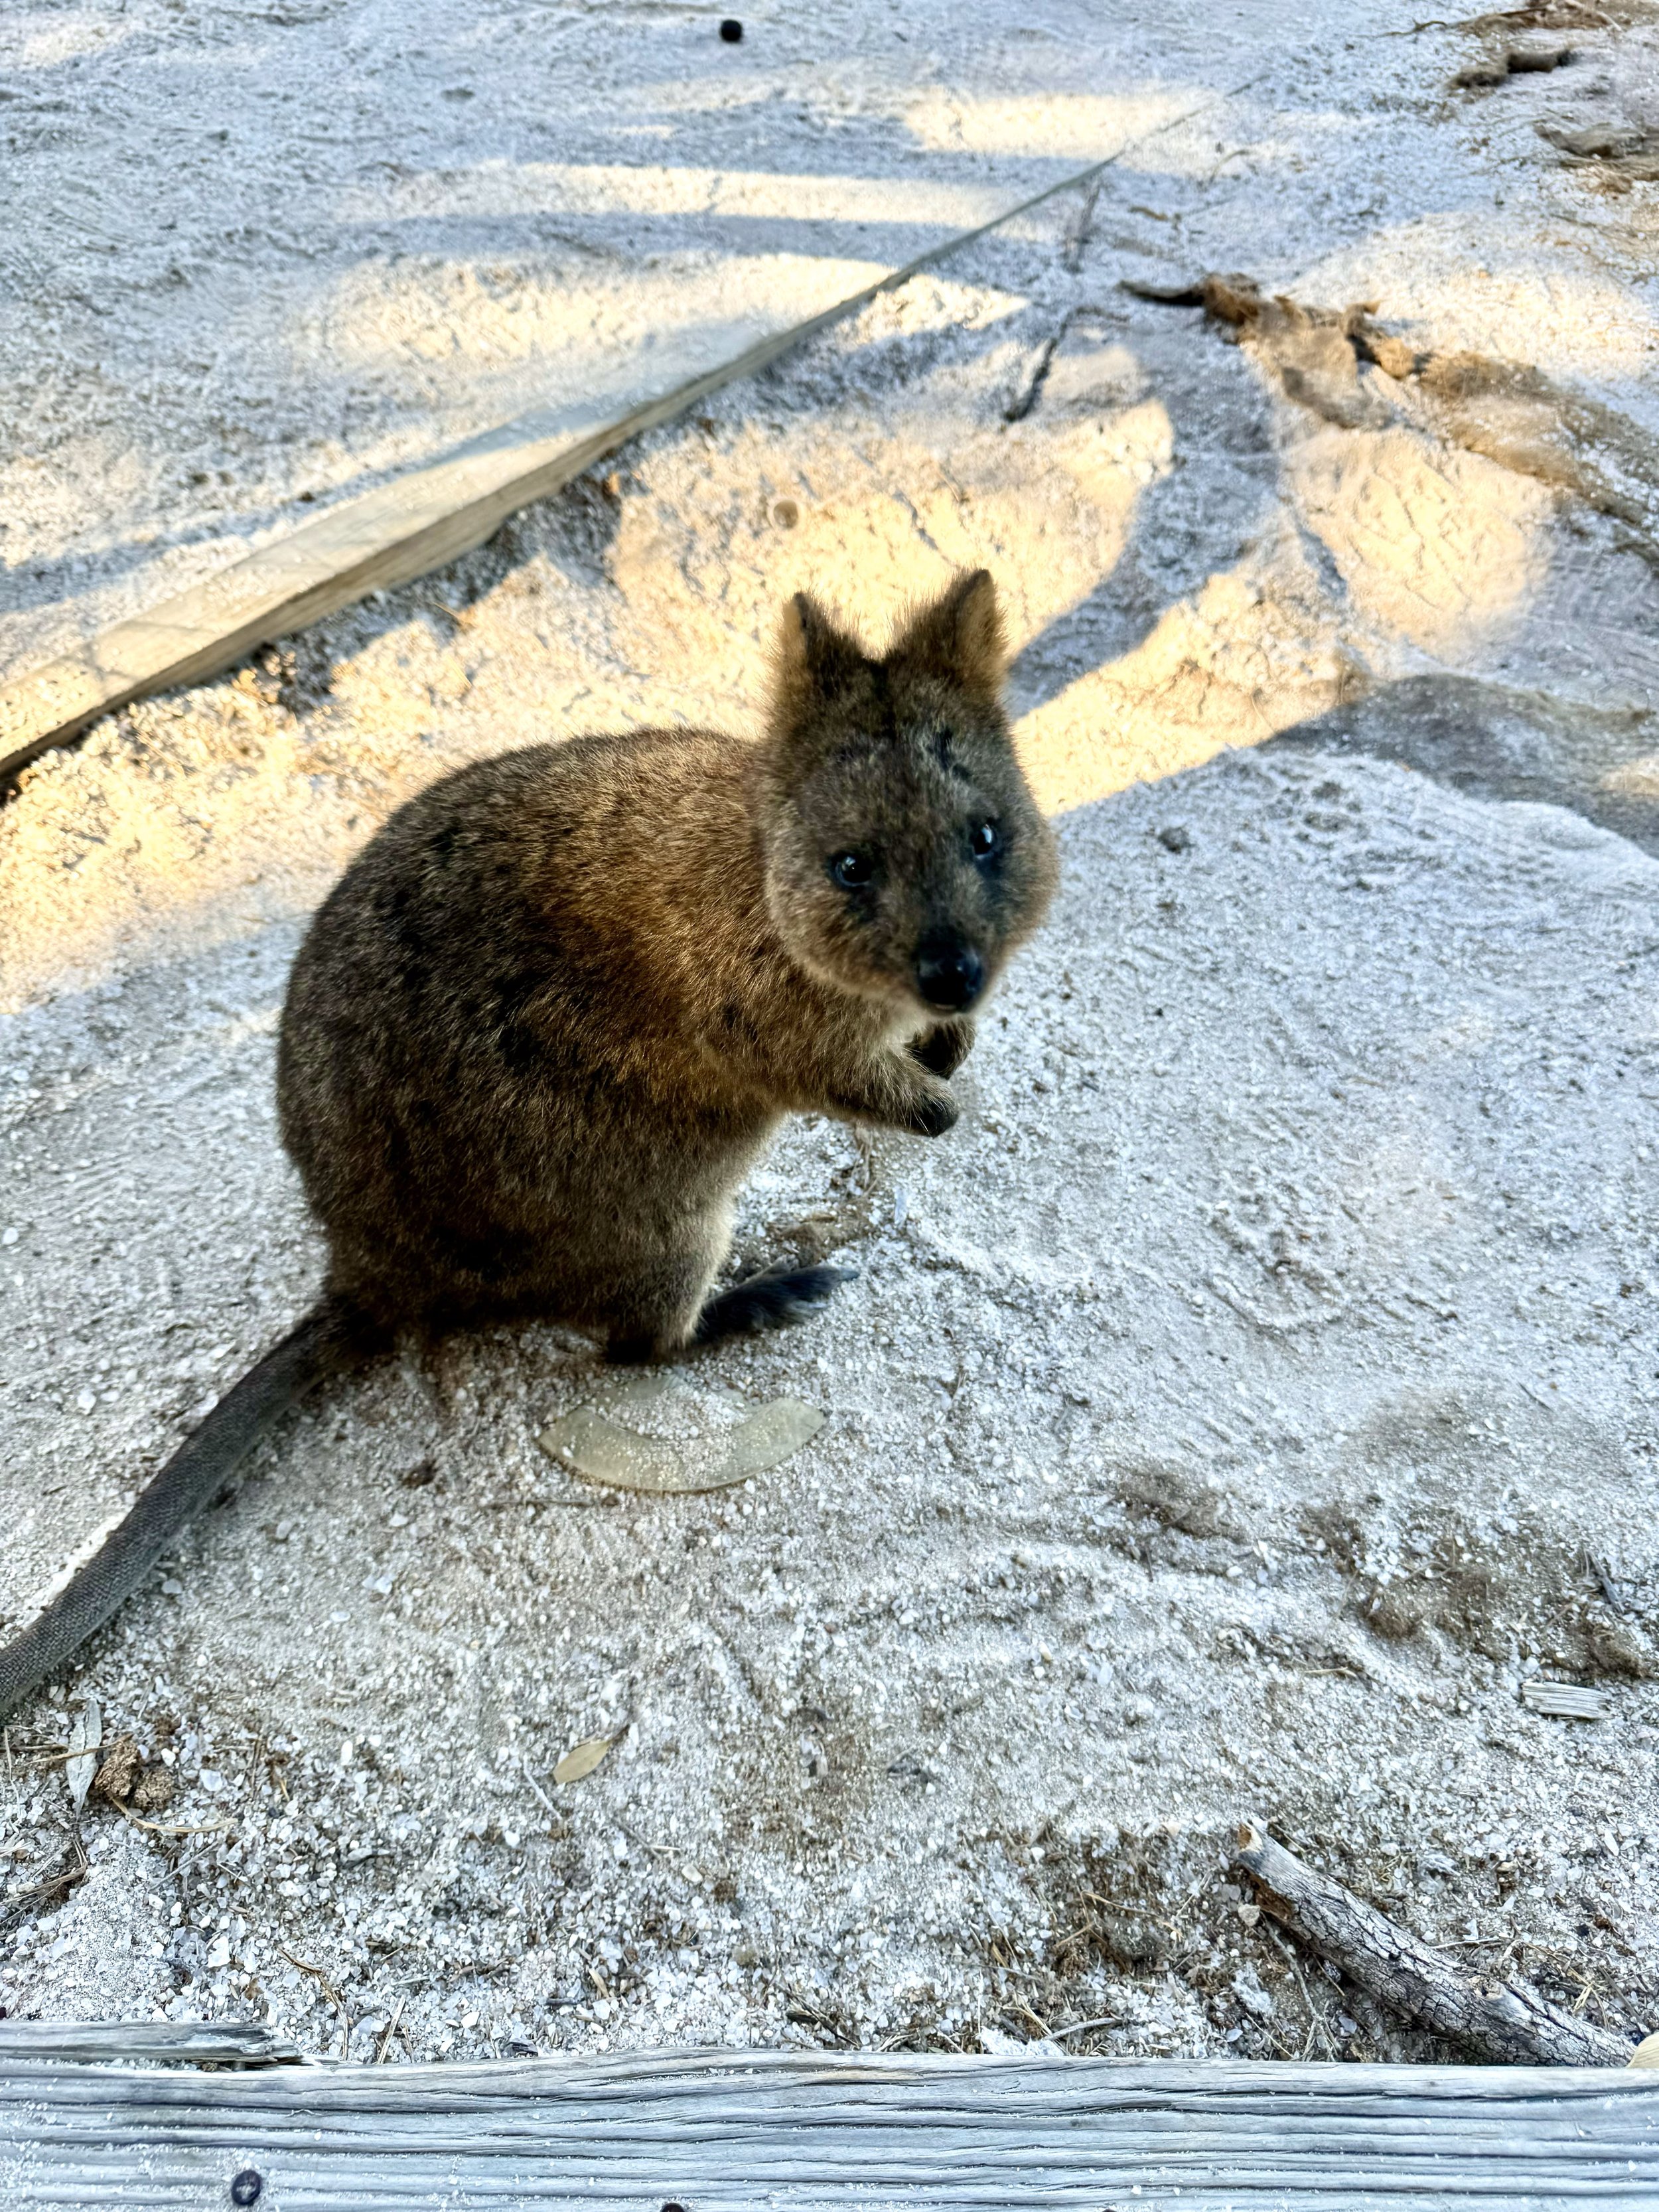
934	1113
943	1049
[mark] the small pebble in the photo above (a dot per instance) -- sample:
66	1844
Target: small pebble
1175	839
731	30
1536	61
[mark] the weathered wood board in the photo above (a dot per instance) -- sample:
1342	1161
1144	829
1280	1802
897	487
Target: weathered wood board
708	2129
121	2042
421	518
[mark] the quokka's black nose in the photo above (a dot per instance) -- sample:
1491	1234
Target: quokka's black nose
949	975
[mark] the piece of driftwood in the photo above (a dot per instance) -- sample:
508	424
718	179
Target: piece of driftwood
421	518
1565	1701
1506	2021
716	2131
171	2043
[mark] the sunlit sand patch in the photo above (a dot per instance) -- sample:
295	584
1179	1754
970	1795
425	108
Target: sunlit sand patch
875	520
1233	667
579	340
1441	550
1637	779
41	39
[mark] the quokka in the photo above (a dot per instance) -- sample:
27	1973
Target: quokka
541	1028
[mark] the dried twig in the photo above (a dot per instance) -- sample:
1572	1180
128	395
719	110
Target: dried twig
52	1889
1601	1571
166	1827
1316	2018
320	1977
1085	2026
1506	2021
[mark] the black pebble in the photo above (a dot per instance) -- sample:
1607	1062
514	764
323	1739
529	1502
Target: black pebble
732	31
248	2187
1175	839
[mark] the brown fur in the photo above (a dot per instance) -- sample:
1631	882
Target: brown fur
539	1032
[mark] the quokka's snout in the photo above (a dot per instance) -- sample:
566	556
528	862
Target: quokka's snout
950	972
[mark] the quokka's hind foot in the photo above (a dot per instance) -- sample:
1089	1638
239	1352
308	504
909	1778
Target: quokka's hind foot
779	1294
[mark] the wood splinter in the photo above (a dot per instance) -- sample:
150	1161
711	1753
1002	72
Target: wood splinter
1506	2021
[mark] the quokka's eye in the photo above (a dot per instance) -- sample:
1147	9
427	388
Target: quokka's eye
983	840
851	870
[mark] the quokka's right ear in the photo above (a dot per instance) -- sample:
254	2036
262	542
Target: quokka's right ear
959	636
814	660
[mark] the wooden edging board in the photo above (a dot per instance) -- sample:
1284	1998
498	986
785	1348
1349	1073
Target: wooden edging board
735	2132
414	523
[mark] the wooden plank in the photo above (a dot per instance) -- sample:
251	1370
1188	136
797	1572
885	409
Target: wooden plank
728	2131
187	2043
421	518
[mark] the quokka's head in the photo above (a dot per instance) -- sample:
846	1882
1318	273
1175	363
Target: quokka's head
906	857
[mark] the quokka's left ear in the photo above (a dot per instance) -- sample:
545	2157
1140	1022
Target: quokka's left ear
959	637
813	660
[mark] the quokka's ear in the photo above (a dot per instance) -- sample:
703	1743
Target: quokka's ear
813	660
959	637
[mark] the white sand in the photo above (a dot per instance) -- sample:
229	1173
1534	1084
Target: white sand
1229	1416
257	255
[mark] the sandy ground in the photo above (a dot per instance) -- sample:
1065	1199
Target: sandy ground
258	257
260	254
1257	1389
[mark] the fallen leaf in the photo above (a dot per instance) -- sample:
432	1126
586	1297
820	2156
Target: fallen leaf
593	1444
590	1445
768	1437
85	1736
581	1759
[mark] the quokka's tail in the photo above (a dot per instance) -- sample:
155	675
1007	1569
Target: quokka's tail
325	1341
